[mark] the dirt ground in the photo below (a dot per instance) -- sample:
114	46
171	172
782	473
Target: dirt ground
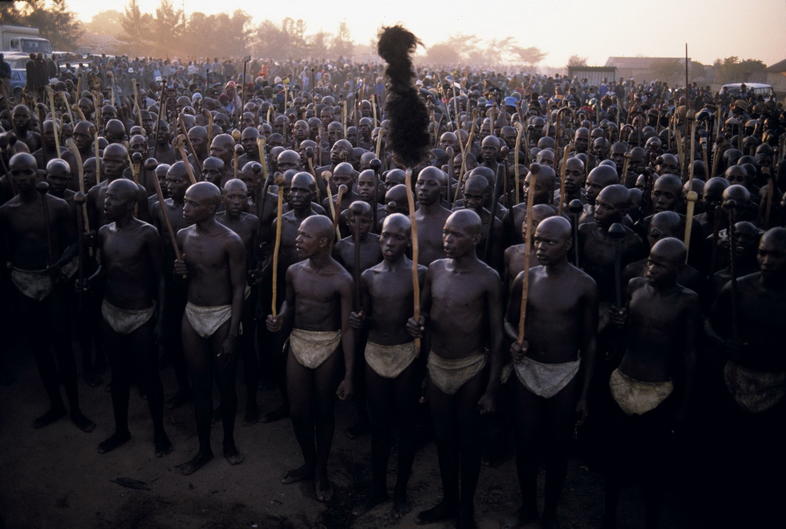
54	478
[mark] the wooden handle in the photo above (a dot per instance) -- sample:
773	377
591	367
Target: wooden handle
51	94
527	246
516	169
691	197
277	248
81	177
189	169
415	251
167	222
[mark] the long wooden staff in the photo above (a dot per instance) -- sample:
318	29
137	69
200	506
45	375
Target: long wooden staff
136	101
562	173
277	247
342	189
183	156
689	161
165	218
691	196
260	202
327	176
71	146
374	110
98	158
191	146
516	168
527	245
415	251
51	94
68	108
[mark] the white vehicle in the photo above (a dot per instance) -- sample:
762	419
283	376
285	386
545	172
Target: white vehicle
760	89
23	40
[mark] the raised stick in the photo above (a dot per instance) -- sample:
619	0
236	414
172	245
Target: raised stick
691	196
71	146
527	245
51	94
277	247
415	251
516	169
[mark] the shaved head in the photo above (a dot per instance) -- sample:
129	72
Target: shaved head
397	220
669	249
319	226
465	220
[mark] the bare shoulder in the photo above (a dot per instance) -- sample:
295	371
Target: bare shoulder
148	230
636	283
584	279
489	275
437	266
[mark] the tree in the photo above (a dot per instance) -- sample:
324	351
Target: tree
167	30
732	69
529	56
136	29
575	60
342	45
443	54
52	17
108	22
672	71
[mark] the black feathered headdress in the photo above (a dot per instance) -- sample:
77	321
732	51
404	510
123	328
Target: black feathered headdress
407	112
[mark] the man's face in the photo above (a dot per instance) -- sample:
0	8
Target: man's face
299	194
393	241
250	179
663	198
607	211
195	210
367	187
82	138
618	157
212	172
137	144
48	135
307	243
342	177
771	257
234	200
489	151
301	131
58	178
474	196
220	149
115	207
24	176
427	188
457	241
659	269
542	189
198	141
249	143
549	247
363	223
546	157
113	163
176	184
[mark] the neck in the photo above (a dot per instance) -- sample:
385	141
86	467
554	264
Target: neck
465	261
125	220
303	211
320	260
396	261
558	267
28	196
429	208
205	224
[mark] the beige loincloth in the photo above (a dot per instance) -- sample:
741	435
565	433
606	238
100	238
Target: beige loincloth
246	292
389	361
125	321
312	348
637	397
34	284
753	390
449	374
206	320
545	380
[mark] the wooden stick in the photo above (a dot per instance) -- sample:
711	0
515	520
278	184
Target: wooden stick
516	168
327	175
98	159
691	196
136	101
527	246
415	251
277	248
374	110
189	169
190	146
344	118
165	218
342	189
51	94
563	169
68	108
71	146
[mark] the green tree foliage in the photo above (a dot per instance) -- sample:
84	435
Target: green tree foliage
733	69
52	17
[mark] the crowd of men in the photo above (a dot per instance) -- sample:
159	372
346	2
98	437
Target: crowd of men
603	263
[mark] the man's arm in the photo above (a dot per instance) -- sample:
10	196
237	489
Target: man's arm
347	339
236	255
589	328
494	307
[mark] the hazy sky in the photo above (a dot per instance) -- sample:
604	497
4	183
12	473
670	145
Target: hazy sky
594	30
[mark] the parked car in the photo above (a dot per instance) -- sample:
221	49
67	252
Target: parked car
760	89
18	79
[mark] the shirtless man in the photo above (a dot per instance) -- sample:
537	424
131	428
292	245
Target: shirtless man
660	323
560	342
133	286
316	310
544	192
755	383
214	262
176	182
476	193
514	255
370	253
462	307
114	165
246	226
213	170
430	215
392	375
36	251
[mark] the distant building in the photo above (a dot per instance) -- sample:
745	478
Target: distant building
644	68
595	75
776	76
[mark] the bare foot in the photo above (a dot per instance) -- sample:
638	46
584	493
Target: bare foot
323	490
303	473
82	422
232	455
163	445
116	440
199	460
54	414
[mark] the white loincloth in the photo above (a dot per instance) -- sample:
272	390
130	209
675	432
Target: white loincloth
637	397
34	284
70	268
206	320
545	380
312	348
246	292
125	321
389	361
449	374
754	390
